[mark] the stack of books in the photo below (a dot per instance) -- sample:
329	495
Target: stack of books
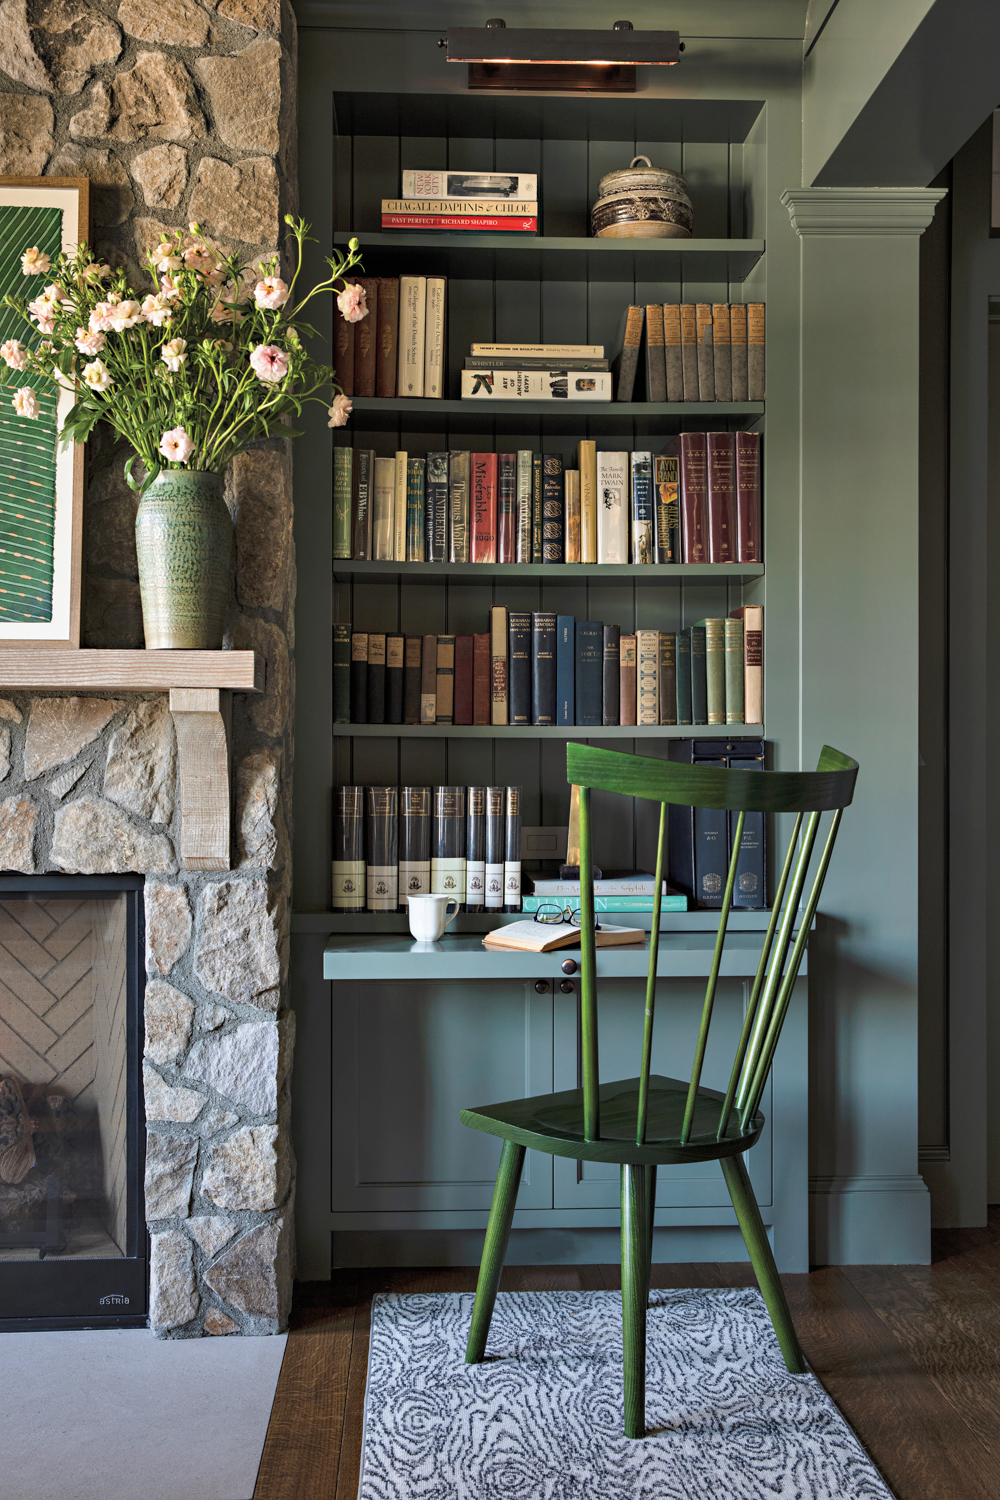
536	372
547	670
393	842
699	501
631	891
701	838
465	203
690	351
399	348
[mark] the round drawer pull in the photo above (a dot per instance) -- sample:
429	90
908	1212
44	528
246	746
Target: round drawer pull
541	986
567	986
569	965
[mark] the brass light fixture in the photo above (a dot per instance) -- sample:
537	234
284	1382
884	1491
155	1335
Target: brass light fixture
542	60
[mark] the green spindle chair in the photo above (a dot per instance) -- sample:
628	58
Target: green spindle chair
643	1122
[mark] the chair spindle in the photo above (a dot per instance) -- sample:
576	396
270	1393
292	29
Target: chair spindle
654	949
588	977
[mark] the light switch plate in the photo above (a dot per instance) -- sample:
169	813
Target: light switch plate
544	843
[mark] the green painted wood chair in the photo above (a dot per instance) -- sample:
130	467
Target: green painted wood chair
641	1123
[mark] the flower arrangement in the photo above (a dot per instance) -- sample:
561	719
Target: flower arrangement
189	372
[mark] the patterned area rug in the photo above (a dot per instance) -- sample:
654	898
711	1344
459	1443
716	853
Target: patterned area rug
541	1419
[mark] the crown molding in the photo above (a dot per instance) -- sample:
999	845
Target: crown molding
854	211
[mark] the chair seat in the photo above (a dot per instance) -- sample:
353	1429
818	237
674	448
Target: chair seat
553	1123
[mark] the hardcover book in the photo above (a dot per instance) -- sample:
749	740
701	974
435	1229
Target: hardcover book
738	347
435	336
689	350
412	654
415	474
625	362
565	669
571	481
463	223
667	677
543	667
484	507
343	350
706	353
612	675
722	351
348	848
530	362
748	543
475	848
376	679
752	616
459	501
715	670
342	472
672	356
382	848
436	183
366	341
755	351
537	477
733	635
512	850
543	937
506	208
399	507
692	450
463	679
642	508
589	673
721	470
428	680
524	457
612	507
364	466
414	842
506	507
496	845
487	382
627	679
341	674
410	341
656	370
587	464
436	509
647	645
553	513
359	678
684	703
444	706
481	678
542	351
519	666
666	497
699	685
498	664
383	510
387	335
448	842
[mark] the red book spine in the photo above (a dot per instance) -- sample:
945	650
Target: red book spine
481	684
463	679
493	224
693	449
506	507
721	497
484	507
748	548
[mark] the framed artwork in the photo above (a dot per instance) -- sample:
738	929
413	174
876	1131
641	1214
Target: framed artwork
41	484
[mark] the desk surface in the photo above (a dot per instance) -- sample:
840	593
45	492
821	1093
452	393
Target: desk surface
394	956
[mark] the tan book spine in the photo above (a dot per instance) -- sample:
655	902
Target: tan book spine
412	325
498	664
383	536
706	353
738	346
444	708
755	351
722	352
689	350
672	354
572	483
752	616
435	336
587	462
428	680
648	676
399	507
627	671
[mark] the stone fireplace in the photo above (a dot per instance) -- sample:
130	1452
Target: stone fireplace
176	112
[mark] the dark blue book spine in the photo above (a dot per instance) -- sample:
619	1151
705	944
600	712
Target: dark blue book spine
519	667
612	685
684	677
543	667
750	892
565	670
436	509
711	835
699	679
589	672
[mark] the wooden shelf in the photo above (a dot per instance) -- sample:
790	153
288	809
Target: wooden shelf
613	574
406	405
130	671
584	732
550	258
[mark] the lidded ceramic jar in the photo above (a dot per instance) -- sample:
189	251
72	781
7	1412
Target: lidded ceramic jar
642	202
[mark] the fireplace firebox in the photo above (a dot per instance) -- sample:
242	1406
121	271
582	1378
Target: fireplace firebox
72	1231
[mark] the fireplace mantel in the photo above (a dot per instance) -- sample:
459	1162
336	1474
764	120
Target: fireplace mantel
199	684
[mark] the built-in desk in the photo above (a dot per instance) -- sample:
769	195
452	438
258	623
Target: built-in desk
396	1037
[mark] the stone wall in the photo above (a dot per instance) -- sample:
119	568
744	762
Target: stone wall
176	111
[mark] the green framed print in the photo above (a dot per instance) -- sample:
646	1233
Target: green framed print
41	483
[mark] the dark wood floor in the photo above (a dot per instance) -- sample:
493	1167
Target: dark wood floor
910	1354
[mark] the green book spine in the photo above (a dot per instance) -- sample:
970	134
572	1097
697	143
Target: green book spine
715	669
699	686
415	510
684	677
734	672
342	673
536	507
342	463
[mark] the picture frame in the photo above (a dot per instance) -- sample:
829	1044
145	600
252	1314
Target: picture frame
41	550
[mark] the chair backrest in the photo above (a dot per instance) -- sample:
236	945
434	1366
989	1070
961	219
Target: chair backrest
807	794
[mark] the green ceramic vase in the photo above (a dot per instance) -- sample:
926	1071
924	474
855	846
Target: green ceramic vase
184	539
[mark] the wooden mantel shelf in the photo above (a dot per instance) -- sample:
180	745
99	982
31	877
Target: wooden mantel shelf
200	684
60	669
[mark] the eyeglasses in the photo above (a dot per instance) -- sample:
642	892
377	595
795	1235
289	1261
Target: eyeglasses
562	914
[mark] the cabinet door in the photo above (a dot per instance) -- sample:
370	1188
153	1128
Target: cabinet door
406	1059
621	1009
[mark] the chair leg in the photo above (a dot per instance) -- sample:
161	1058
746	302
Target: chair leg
755	1237
650	1212
494	1250
635	1287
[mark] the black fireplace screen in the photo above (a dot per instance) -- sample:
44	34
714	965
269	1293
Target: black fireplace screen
72	1236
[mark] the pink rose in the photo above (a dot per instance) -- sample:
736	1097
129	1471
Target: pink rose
173	355
176	446
14	355
89	343
25	403
271	292
269	363
339	411
352	303
125	315
100	318
157	309
35	262
198	259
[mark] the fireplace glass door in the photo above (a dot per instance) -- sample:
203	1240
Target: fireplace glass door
69	1146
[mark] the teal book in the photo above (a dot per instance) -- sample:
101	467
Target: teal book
342	673
684	677
415	510
734	672
672	902
699	686
342	476
715	669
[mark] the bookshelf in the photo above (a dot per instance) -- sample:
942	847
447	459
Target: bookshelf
580	732
708	411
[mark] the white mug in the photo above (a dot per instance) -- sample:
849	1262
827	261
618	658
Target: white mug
430	915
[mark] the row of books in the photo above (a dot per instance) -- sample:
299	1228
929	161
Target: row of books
393	842
699	501
462	202
691	351
543	669
399	348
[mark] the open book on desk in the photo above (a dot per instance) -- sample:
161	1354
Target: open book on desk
542	937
